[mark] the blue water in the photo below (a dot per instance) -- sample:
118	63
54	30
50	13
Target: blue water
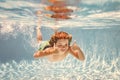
95	27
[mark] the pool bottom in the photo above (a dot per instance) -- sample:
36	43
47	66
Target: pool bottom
68	69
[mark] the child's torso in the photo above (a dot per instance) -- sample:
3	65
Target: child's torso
57	57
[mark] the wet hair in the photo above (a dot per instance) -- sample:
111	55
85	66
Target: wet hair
59	35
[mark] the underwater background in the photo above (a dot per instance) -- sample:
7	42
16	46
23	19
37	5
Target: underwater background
95	26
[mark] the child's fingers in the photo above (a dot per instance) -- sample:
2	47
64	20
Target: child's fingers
74	42
54	46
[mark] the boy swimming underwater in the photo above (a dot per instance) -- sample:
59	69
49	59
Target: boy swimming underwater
58	47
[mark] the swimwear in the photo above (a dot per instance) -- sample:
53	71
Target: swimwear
43	45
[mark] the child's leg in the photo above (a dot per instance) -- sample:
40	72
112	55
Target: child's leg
39	34
38	28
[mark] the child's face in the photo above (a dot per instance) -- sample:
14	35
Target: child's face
62	45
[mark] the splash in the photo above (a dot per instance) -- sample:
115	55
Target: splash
69	69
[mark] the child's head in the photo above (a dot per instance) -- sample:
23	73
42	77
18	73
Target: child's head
60	35
61	40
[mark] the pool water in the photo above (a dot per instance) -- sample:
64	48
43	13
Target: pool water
95	27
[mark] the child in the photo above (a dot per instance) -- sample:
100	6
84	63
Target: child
58	47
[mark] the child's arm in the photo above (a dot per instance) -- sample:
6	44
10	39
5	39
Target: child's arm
45	52
76	51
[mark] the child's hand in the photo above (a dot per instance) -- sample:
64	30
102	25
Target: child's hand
37	54
55	49
76	51
52	50
74	46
